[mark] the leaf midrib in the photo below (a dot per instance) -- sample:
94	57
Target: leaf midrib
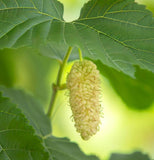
120	42
35	9
82	19
113	19
9	130
39	12
125	11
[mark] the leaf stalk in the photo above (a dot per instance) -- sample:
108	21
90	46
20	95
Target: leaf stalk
80	54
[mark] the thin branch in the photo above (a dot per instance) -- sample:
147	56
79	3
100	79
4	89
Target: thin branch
58	86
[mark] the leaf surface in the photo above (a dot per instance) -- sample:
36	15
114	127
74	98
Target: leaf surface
120	33
56	148
29	23
62	148
31	108
134	156
7	69
17	138
136	93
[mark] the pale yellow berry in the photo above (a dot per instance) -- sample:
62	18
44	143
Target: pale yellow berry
83	83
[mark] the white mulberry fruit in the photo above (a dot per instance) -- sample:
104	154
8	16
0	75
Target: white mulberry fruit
83	83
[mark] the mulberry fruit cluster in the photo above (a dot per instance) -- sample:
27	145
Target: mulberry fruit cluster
83	83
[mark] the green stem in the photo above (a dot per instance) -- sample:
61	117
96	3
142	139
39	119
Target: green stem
63	65
80	54
53	99
57	86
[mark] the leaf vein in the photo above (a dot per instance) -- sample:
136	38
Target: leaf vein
84	42
33	4
16	3
142	18
8	113
120	42
146	62
110	7
56	8
125	11
3	9
90	10
28	28
64	33
42	13
5	152
9	130
121	21
107	54
124	6
4	3
143	39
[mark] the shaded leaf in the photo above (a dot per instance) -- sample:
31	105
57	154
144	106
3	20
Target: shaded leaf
58	148
17	138
31	108
133	156
7	68
63	149
137	93
24	68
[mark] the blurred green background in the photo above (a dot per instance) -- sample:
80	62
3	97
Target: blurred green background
123	130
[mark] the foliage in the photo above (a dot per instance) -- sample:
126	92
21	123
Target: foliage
137	93
133	156
124	25
29	136
118	35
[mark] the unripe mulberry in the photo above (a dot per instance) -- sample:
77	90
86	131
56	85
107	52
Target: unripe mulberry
83	83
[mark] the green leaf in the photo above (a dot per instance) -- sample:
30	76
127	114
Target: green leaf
17	138
23	22
137	93
120	33
133	156
31	108
63	149
7	68
57	148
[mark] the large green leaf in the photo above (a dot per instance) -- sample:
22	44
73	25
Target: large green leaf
30	22
134	156
120	33
63	149
137	93
31	108
17	138
57	148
